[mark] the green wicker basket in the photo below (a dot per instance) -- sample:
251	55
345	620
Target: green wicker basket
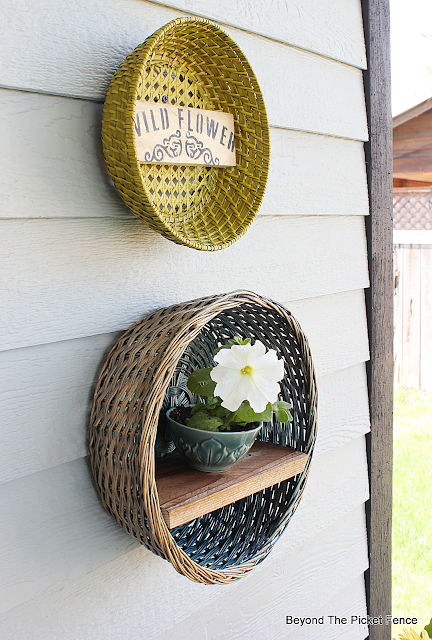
189	62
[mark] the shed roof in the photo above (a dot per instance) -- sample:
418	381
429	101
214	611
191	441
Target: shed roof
412	146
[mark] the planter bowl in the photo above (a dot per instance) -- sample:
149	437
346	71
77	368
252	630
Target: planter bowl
212	451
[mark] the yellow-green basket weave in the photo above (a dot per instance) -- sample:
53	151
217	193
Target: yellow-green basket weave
189	62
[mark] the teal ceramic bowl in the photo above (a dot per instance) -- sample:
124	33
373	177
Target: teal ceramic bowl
211	451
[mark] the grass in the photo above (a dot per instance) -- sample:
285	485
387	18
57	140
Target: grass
412	508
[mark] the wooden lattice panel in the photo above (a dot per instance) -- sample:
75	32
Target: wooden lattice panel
412	211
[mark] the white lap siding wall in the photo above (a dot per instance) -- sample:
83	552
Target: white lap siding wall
78	268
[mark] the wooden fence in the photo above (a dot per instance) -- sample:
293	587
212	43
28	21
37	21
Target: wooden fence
413	311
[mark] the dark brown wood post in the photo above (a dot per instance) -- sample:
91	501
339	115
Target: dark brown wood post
379	301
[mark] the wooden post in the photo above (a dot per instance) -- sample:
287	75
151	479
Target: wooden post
379	300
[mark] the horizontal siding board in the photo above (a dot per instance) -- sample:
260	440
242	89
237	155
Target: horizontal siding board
348	602
325	96
341	325
331	476
54	529
52	162
64	174
312	174
45	403
343	408
289	584
64	279
47	392
75	549
332	29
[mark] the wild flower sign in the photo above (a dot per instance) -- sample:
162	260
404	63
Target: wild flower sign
174	134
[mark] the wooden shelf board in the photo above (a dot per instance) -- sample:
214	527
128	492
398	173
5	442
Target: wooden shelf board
185	493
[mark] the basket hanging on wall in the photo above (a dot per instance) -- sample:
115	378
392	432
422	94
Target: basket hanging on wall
146	373
189	62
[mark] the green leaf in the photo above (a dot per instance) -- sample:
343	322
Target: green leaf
221	412
245	413
212	402
231	342
199	406
281	410
200	382
428	628
202	420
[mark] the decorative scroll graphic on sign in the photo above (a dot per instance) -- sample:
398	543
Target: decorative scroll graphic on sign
169	134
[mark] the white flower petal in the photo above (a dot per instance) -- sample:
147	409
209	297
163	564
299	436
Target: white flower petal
220	372
233	358
273	371
269	388
266	360
256	351
259	385
226	380
233	400
257	400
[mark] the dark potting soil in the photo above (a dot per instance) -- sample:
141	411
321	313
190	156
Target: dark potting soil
181	414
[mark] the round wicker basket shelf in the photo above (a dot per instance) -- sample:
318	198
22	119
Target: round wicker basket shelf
222	525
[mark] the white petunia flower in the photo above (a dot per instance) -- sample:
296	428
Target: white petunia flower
247	372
